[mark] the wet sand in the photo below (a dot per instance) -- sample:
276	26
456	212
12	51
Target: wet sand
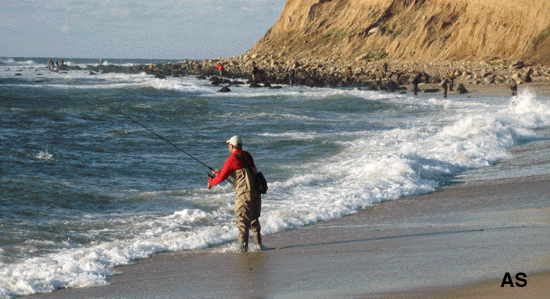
536	287
459	241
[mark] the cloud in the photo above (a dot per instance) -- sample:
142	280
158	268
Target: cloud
120	12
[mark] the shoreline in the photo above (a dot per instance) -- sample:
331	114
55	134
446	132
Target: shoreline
346	257
415	247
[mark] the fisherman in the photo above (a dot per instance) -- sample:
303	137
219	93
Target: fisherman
452	76
415	82
248	203
513	87
292	76
445	84
348	73
254	73
219	67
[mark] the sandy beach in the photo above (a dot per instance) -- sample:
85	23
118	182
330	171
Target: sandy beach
458	242
428	246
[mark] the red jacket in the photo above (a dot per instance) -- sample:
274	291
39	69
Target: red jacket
231	164
219	67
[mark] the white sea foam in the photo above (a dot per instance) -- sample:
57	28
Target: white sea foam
373	166
44	155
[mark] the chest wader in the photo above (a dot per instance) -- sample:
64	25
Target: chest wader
248	205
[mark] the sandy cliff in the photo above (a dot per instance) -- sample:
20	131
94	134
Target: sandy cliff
424	30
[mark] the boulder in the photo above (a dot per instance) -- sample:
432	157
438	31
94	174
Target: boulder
391	86
405	79
461	89
518	65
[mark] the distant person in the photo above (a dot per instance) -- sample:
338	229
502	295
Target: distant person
385	66
452	76
528	78
445	84
248	202
219	67
152	68
415	82
348	73
513	87
292	76
50	64
254	73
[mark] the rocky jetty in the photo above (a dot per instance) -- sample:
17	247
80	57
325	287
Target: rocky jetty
380	75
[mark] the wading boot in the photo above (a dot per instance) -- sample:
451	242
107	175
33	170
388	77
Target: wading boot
258	241
243	245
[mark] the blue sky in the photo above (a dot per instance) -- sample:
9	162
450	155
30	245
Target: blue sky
163	29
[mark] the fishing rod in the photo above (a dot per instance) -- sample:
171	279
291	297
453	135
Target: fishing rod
154	133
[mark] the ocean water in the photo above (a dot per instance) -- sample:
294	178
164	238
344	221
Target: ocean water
83	188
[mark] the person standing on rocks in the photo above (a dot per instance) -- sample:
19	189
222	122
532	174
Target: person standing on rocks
347	74
415	82
152	68
385	67
513	87
452	76
248	202
254	73
445	84
291	76
219	67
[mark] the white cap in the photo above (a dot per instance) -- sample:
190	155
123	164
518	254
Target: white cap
235	141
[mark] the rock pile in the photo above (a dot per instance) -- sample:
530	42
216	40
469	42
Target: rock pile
336	73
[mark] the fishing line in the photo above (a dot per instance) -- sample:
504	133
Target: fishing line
153	132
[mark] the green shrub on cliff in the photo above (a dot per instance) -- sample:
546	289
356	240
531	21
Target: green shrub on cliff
543	36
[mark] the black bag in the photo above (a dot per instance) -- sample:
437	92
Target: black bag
260	183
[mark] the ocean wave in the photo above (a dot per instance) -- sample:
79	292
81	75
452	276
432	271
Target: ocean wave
316	169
